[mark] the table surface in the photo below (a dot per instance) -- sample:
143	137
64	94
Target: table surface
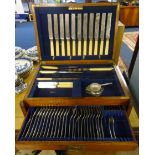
19	117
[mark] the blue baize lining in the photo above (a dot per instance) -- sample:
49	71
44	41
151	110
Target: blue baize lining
42	26
77	125
80	83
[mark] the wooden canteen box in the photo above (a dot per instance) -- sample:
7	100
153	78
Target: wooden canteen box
78	99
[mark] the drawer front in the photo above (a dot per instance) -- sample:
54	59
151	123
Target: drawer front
76	127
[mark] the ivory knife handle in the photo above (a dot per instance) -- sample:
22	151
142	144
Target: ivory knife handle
90	47
79	48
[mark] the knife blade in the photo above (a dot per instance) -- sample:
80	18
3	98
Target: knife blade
97	20
67	34
56	33
91	21
73	35
79	28
62	34
55	84
85	21
50	32
108	33
102	33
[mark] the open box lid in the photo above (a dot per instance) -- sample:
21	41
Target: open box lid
76	31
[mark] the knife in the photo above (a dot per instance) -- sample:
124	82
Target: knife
55	84
55	72
76	69
50	32
31	130
85	20
43	124
29	124
102	33
67	34
57	122
79	21
38	119
73	35
63	123
50	121
108	33
41	120
62	34
66	124
47	123
96	35
91	21
53	122
56	34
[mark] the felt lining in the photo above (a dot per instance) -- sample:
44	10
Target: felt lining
53	125
80	83
42	26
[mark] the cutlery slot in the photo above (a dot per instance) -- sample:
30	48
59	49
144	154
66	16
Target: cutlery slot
69	91
78	123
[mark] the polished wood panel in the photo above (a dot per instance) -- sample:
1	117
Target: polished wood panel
76	145
119	38
129	15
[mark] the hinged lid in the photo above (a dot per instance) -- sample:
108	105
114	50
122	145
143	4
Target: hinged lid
76	31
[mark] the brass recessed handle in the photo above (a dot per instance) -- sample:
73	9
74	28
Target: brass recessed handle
74	148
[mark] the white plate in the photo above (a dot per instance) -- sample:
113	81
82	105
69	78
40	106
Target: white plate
18	52
32	53
23	65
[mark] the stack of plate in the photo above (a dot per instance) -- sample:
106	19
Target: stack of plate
31	53
23	66
18	52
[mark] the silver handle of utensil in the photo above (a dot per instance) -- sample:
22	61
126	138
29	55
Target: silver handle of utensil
110	128
53	110
106	84
29	123
48	122
113	127
43	122
53	122
35	124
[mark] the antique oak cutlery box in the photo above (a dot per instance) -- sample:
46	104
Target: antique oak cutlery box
78	98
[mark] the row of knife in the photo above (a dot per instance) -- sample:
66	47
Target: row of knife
79	34
85	123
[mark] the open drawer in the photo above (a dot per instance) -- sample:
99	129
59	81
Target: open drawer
76	127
